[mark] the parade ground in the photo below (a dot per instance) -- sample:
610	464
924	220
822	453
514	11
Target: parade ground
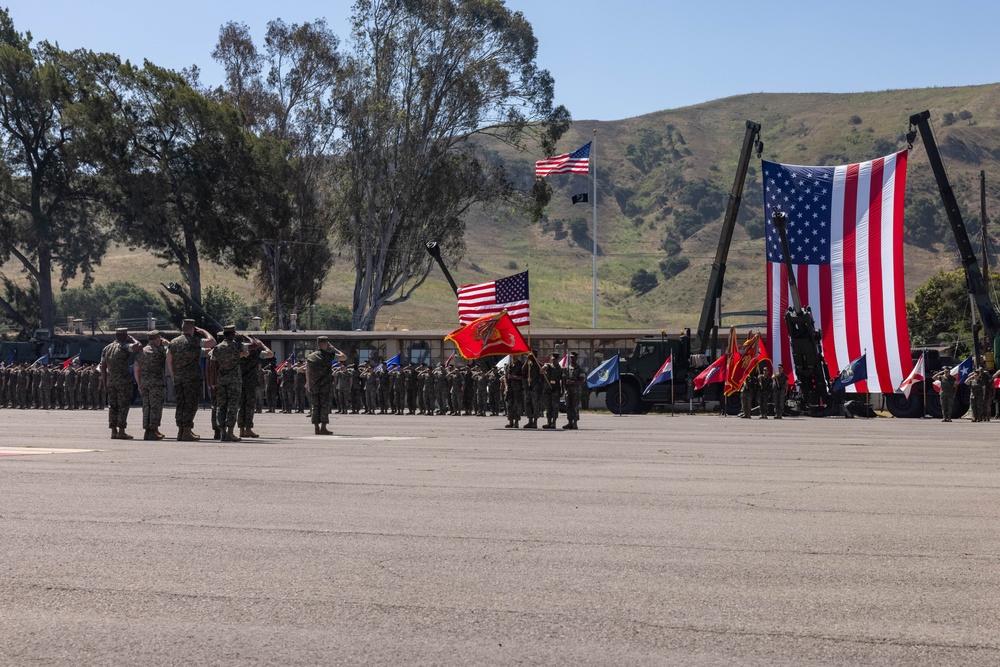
636	540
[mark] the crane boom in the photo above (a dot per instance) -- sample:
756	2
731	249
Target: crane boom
973	275
713	294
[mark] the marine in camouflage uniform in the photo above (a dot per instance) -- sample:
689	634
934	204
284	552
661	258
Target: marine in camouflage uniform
319	381
300	387
977	388
455	391
948	384
494	388
514	378
287	375
440	376
228	390
115	375
184	366
399	383
250	369
747	392
532	391
778	391
370	384
765	384
427	390
551	390
270	387
150	368
575	383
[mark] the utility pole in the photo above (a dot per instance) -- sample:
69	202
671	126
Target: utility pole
274	247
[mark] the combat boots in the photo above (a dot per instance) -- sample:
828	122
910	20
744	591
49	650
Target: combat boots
114	433
149	434
187	435
532	423
323	430
249	433
548	424
122	435
229	436
157	434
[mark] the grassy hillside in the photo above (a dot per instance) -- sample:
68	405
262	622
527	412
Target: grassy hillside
656	174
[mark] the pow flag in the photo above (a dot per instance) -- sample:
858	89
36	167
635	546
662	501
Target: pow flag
845	237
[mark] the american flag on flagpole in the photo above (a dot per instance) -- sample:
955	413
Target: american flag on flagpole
845	236
577	162
510	294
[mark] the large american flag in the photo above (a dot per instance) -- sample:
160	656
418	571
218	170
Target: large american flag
577	162
845	237
510	294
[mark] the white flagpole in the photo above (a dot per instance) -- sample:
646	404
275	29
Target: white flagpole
593	167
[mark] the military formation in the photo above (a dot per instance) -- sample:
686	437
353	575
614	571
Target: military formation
51	387
242	380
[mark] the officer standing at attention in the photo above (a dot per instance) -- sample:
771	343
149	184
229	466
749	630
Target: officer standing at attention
778	391
184	367
948	382
150	367
116	377
576	384
319	382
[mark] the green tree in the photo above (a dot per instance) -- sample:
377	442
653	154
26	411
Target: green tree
671	266
117	301
648	152
332	317
286	91
424	79
226	306
49	218
924	220
939	313
755	227
643	281
671	245
190	183
579	231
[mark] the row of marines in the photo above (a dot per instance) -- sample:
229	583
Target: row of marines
50	387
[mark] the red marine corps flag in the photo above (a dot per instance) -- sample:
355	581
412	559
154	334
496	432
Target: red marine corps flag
489	336
747	357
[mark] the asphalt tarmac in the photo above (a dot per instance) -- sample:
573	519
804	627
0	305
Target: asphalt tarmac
637	540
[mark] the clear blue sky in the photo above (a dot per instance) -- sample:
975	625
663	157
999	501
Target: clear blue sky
611	59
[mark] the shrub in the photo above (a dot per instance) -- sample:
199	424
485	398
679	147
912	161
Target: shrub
643	281
671	266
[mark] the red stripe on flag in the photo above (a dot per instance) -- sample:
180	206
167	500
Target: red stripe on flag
850	267
875	271
786	345
902	328
826	316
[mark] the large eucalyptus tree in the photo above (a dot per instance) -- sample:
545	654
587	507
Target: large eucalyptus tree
426	83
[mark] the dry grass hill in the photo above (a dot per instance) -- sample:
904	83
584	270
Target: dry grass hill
668	174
